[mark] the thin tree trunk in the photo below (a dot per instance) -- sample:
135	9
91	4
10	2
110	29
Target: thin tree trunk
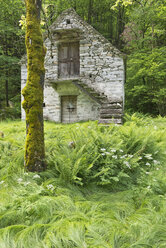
33	91
75	5
120	25
111	27
152	36
6	72
90	11
6	90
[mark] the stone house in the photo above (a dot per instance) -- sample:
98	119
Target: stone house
84	77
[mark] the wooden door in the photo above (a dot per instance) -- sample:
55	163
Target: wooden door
68	60
68	109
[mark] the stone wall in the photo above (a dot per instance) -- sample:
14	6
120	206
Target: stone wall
23	83
87	109
101	64
101	67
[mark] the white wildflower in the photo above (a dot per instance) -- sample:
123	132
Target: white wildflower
50	186
103	149
148	156
113	150
121	150
130	156
148	187
26	183
124	156
156	162
115	156
19	180
127	164
157	168
108	153
2	182
103	154
148	163
140	158
36	176
26	174
147	172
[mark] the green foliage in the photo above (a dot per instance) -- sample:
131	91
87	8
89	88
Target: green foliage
160	100
114	156
10	113
144	37
64	207
11	49
145	85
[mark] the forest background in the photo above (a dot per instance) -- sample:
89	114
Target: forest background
137	28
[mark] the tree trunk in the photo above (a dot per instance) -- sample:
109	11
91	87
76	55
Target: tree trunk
75	5
6	72
153	36
33	91
111	27
90	11
7	90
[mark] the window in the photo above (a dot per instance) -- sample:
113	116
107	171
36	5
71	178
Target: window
69	64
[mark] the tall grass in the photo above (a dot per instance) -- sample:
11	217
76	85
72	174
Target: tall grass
108	190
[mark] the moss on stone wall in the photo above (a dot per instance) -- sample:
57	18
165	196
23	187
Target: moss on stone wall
33	91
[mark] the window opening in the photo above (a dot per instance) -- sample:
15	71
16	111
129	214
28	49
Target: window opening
68	60
68	21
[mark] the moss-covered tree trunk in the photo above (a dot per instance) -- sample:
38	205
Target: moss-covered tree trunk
33	91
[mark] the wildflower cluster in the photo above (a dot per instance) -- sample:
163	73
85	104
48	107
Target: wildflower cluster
36	176
24	181
3	183
116	166
117	156
50	187
146	159
149	161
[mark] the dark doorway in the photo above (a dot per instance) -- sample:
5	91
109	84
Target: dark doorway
68	109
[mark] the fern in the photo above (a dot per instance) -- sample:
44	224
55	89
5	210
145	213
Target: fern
81	199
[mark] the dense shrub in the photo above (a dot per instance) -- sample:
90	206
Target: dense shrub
10	113
116	156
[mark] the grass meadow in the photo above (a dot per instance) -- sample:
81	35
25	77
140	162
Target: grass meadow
104	187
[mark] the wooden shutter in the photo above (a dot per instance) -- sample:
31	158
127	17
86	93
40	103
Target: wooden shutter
69	63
